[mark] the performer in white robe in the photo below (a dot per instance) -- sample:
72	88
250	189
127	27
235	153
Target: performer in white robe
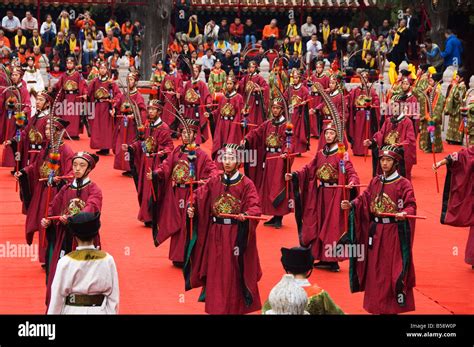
86	280
34	81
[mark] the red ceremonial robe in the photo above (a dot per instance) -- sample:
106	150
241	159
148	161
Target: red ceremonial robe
318	207
222	258
269	140
170	181
458	196
70	200
71	87
396	131
127	134
105	95
226	117
196	97
385	270
35	193
258	100
171	85
32	139
359	127
143	157
296	95
8	121
315	119
409	100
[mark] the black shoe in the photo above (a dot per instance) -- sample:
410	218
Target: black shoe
148	224
127	174
103	152
13	172
334	267
75	138
43	266
178	264
270	223
322	265
277	224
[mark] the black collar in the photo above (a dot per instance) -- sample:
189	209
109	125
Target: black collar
229	182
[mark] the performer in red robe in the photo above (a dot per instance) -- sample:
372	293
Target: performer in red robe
82	195
172	182
297	95
222	255
170	94
14	114
255	91
336	95
33	192
364	114
317	205
384	267
73	90
105	95
226	118
32	138
395	131
146	153
196	99
131	118
458	195
406	102
270	140
315	119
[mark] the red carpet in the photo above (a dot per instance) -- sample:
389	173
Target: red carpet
150	284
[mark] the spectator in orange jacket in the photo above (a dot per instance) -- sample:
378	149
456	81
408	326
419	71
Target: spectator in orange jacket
83	19
4	41
269	35
110	44
127	28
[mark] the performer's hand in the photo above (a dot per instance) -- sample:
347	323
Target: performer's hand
400	216
17	175
161	153
346	204
284	155
149	174
311	111
124	147
63	218
350	185
367	142
241	217
45	223
438	165
56	179
206	114
288	176
190	212
178	95
242	143
7	143
112	112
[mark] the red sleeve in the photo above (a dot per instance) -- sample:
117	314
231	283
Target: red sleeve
94	200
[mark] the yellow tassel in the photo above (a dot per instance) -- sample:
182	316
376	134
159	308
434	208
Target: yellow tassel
432	70
392	73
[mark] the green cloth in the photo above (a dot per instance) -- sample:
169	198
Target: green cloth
319	304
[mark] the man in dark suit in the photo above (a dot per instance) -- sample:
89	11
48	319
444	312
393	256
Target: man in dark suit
413	24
